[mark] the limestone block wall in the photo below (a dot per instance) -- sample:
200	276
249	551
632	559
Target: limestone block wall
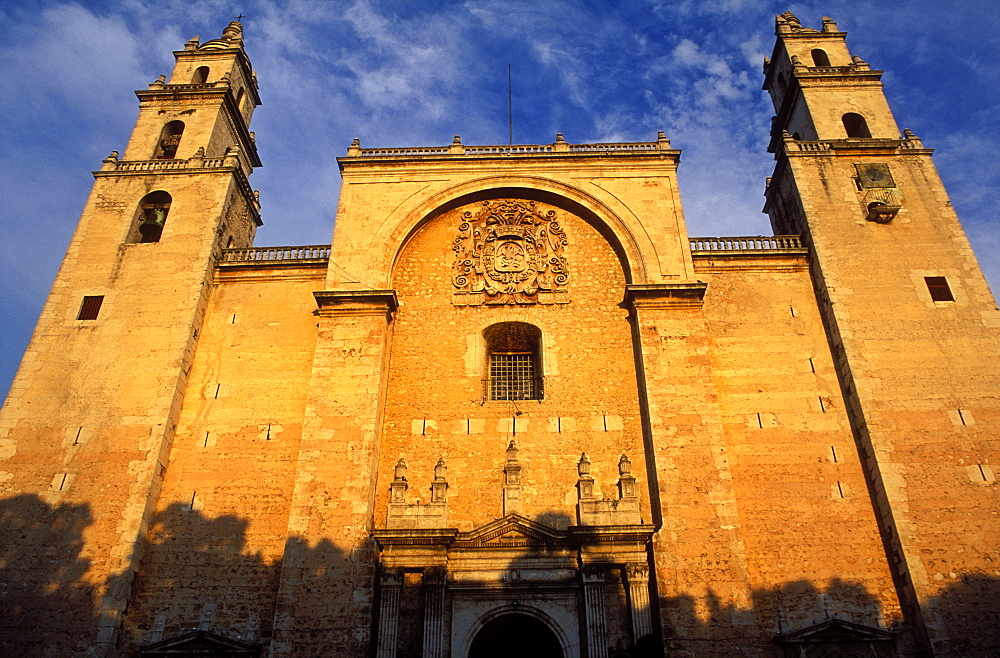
221	522
436	403
809	529
92	412
921	377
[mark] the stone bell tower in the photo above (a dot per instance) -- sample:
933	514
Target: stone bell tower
92	412
910	319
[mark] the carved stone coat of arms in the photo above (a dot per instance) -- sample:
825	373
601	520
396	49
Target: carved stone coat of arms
510	252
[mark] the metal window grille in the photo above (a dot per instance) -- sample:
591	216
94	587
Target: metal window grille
90	307
512	377
938	287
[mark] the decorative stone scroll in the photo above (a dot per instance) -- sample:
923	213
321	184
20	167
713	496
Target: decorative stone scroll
509	252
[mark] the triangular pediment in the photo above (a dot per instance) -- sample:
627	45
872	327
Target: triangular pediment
512	530
198	643
836	631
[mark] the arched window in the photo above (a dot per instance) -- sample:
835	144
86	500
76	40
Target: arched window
239	100
200	75
856	126
820	58
514	363
170	138
152	215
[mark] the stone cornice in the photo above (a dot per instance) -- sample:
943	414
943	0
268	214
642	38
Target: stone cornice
356	302
689	294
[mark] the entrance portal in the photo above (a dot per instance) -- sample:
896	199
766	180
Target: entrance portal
517	635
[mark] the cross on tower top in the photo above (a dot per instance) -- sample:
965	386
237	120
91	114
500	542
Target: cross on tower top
240	17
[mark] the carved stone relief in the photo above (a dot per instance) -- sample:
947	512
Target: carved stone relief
509	252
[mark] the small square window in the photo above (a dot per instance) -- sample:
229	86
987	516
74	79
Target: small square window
90	307
512	377
939	289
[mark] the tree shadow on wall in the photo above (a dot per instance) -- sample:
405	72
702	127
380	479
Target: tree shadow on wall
198	572
199	575
45	599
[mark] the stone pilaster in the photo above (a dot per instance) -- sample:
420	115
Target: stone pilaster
434	631
638	599
327	576
593	601
388	626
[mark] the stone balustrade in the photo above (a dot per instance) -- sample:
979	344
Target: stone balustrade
307	253
748	243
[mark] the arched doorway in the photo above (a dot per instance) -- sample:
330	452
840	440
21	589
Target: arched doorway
517	635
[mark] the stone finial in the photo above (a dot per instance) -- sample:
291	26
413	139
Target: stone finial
908	134
512	451
583	467
457	140
859	63
829	25
233	32
626	482
256	197
662	142
193	42
225	77
786	135
439	487
797	63
355	148
559	138
253	136
253	78
560	145
399	472
159	82
456	146
110	163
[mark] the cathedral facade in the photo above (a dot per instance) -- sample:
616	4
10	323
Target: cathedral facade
513	407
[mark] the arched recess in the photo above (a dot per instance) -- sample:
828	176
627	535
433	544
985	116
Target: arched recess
150	217
170	139
618	225
515	609
820	58
200	75
856	126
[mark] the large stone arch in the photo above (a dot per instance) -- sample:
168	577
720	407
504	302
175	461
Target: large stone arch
465	638
613	219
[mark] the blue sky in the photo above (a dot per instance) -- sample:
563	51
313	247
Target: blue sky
417	73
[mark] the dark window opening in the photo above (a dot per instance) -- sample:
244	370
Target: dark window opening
239	100
939	289
514	362
820	58
856	126
170	138
200	75
153	210
90	307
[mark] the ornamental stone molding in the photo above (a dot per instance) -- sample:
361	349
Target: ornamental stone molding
508	251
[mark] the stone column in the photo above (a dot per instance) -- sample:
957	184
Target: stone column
593	601
638	595
434	631
388	618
